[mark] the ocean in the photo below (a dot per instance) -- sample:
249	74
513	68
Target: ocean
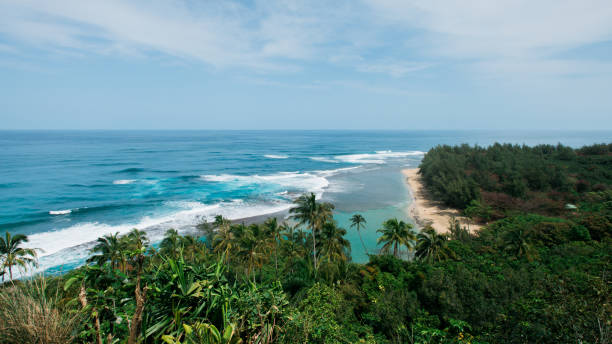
64	189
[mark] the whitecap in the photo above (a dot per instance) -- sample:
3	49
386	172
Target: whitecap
306	182
323	159
188	214
331	173
276	156
60	212
71	245
379	157
124	181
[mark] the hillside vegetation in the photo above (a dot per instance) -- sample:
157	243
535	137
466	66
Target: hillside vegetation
539	272
504	179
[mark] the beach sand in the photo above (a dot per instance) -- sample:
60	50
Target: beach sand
424	210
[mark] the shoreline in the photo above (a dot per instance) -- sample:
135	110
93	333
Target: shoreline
424	210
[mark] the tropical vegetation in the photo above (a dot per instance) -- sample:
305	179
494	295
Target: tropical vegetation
530	275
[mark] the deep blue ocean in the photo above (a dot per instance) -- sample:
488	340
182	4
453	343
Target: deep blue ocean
64	189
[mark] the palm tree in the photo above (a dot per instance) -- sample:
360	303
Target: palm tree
334	247
13	255
274	232
432	247
518	241
224	238
137	240
136	243
394	234
220	221
357	221
109	248
252	244
172	243
335	250
192	247
314	214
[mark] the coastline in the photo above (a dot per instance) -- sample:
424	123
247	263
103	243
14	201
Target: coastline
424	210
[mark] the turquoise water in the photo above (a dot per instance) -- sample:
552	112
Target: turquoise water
64	189
375	218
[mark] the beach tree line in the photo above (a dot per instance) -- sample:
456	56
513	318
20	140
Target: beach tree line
493	182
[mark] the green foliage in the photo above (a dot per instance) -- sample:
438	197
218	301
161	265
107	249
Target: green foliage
12	254
503	178
357	221
203	333
432	246
261	312
538	272
321	316
394	235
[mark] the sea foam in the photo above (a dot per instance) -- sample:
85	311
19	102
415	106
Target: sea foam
275	156
305	182
60	212
124	181
324	159
379	157
71	245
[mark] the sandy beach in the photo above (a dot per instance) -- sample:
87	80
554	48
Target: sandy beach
425	211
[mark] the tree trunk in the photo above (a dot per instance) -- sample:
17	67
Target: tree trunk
362	243
11	272
275	258
314	248
83	300
83	296
140	296
98	331
395	250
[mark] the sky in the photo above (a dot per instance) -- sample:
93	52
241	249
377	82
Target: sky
291	64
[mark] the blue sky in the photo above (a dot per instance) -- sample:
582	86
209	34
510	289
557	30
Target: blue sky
284	64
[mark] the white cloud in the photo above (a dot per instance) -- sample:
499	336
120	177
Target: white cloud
503	36
504	33
219	34
508	28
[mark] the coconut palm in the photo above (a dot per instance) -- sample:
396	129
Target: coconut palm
432	247
11	254
224	238
109	248
357	221
136	243
396	233
518	241
137	240
220	221
274	231
313	214
171	244
252	246
192	247
334	247
334	250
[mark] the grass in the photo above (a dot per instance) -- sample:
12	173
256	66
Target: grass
28	314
